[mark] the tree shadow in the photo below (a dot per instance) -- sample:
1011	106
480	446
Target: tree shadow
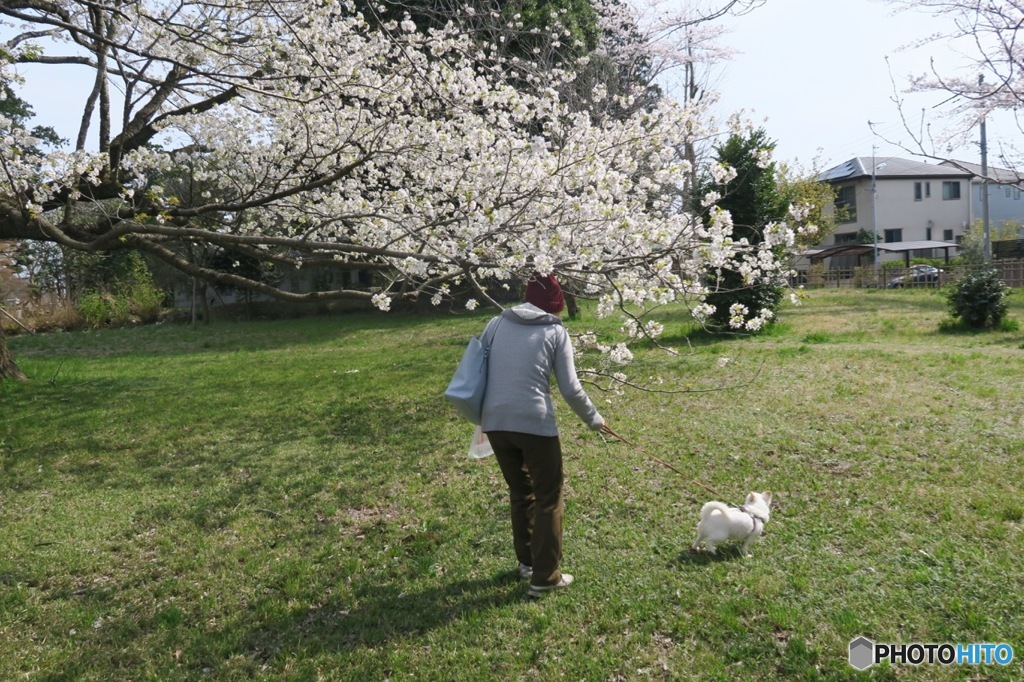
377	614
170	340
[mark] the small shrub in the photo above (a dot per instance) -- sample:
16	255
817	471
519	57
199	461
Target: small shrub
145	301
141	296
130	298
102	309
979	299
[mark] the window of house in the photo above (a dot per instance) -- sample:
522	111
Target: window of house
846	204
947	235
927	189
846	238
928	233
950	190
894	235
1007	192
918	191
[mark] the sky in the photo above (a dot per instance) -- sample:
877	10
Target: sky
814	73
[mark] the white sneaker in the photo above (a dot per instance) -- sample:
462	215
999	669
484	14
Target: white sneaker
538	590
525	571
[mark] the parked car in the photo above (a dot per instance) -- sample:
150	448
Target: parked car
917	275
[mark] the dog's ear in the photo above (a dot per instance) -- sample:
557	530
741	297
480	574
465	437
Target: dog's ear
767	497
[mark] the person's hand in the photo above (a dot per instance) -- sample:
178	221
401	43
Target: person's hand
606	429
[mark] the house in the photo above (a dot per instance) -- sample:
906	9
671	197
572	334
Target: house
1005	197
910	208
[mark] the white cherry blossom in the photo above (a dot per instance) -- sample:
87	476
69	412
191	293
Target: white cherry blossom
296	132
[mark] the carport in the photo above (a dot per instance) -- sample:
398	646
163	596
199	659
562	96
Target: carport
818	255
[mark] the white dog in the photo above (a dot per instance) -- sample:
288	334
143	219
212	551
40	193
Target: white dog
720	522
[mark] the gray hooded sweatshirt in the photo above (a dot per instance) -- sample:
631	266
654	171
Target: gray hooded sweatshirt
529	345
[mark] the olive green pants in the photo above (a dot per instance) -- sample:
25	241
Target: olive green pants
532	467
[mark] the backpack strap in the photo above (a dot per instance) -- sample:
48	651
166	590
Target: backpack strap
494	330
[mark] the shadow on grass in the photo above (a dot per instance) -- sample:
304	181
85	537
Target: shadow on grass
379	615
699	337
171	339
705	558
951	327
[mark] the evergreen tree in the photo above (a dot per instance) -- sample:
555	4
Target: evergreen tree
753	199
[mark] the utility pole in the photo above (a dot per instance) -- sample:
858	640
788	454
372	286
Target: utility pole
984	186
874	202
874	211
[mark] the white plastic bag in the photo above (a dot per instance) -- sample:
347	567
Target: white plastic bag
479	446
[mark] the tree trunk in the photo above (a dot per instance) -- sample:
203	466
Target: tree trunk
8	370
572	307
195	290
203	288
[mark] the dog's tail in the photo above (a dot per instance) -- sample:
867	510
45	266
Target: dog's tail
710	508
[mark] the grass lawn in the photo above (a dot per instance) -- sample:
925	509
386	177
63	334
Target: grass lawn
291	500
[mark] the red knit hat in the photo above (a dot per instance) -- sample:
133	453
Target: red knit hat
545	293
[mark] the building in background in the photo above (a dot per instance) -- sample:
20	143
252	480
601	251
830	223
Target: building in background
1005	200
913	209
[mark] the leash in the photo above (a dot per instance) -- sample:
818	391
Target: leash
605	429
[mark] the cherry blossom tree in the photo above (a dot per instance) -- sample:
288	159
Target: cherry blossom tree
990	81
300	133
673	46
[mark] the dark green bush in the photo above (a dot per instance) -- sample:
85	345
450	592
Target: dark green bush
754	200
979	299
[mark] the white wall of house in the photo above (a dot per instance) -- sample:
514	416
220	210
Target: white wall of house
936	209
905	201
1005	197
901	217
858	215
1005	203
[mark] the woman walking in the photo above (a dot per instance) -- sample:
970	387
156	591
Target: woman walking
530	344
